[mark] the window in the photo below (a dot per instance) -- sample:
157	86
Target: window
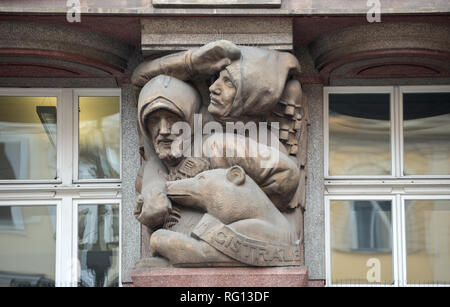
98	138
60	187
387	185
98	239
28	138
28	253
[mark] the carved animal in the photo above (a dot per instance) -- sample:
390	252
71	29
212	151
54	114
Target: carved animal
236	200
233	198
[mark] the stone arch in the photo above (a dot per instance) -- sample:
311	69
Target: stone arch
387	50
45	50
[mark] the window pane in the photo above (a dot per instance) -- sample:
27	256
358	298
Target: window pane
426	131
99	137
98	245
428	241
359	130
28	245
361	241
27	138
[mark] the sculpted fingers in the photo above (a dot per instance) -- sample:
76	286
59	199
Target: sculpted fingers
221	64
224	48
214	56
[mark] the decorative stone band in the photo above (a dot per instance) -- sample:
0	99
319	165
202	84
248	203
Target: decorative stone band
244	249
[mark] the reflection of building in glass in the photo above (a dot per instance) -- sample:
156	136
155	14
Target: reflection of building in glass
27	138
99	135
426	130
428	241
359	134
360	230
98	245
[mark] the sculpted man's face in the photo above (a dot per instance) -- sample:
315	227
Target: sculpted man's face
222	94
159	124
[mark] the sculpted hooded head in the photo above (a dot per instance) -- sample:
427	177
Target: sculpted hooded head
164	101
251	85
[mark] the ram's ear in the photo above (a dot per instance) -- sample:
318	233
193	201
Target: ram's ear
236	174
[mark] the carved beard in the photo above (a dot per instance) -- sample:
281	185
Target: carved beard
165	153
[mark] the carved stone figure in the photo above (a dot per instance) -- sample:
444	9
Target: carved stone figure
216	209
240	222
165	101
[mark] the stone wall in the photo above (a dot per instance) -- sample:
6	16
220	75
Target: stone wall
178	7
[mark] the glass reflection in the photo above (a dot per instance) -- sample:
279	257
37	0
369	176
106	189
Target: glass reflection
28	246
426	130
359	134
98	245
28	138
428	241
99	137
361	241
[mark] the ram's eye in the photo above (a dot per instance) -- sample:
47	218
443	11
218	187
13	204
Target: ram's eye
201	177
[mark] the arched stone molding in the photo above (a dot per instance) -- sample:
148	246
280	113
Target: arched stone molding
388	50
43	50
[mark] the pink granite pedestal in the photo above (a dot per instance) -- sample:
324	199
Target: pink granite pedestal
220	277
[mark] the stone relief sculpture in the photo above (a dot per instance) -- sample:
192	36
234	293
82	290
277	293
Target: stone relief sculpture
217	208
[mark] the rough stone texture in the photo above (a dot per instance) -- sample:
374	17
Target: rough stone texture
314	218
288	7
49	62
65	40
172	33
389	81
221	277
59	82
131	230
343	43
316	283
431	65
216	3
314	231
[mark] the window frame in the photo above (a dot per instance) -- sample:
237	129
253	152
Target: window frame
59	242
396	187
77	93
396	109
395	243
100	201
39	92
357	90
410	90
66	192
403	268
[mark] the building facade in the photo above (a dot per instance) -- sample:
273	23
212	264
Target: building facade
377	82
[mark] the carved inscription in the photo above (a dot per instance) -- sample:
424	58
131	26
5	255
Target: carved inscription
243	248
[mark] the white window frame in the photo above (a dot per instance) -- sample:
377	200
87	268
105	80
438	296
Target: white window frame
33	92
396	187
65	192
92	93
59	250
408	90
357	90
403	198
395	229
396	110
